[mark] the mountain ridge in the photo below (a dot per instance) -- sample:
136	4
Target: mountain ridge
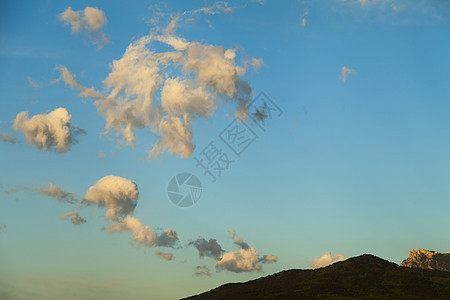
361	277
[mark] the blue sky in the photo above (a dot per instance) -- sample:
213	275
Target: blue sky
350	167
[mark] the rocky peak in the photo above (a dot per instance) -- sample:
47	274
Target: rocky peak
425	259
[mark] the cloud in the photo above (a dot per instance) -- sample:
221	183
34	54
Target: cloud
8	138
33	83
240	242
165	256
75	219
49	131
2	227
118	194
244	260
204	76
269	258
69	79
240	261
57	192
345	72
144	236
257	63
101	154
202	270
90	19
167	238
217	7
207	248
303	23
325	260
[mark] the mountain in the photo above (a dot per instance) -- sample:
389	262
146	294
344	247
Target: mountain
424	259
362	277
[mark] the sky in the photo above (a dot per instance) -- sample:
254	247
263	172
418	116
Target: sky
299	133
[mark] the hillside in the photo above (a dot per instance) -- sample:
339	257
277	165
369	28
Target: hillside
362	277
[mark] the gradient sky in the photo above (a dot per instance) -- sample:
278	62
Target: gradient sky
352	167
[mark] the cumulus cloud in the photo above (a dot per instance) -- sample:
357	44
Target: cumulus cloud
75	218
345	72
208	248
204	76
240	261
118	194
57	192
90	19
325	260
202	271
165	256
49	131
8	138
244	260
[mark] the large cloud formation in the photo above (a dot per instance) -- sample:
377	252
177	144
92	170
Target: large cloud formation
49	131
191	78
90	19
325	260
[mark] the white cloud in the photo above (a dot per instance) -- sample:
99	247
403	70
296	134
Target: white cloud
118	194
48	131
325	260
345	72
206	74
240	261
165	256
91	19
75	218
244	260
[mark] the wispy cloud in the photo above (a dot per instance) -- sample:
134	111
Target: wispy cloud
345	72
75	218
8	138
165	256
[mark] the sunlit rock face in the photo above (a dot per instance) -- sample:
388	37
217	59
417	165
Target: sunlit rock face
425	259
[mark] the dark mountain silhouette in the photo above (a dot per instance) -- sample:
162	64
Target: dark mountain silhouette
362	277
